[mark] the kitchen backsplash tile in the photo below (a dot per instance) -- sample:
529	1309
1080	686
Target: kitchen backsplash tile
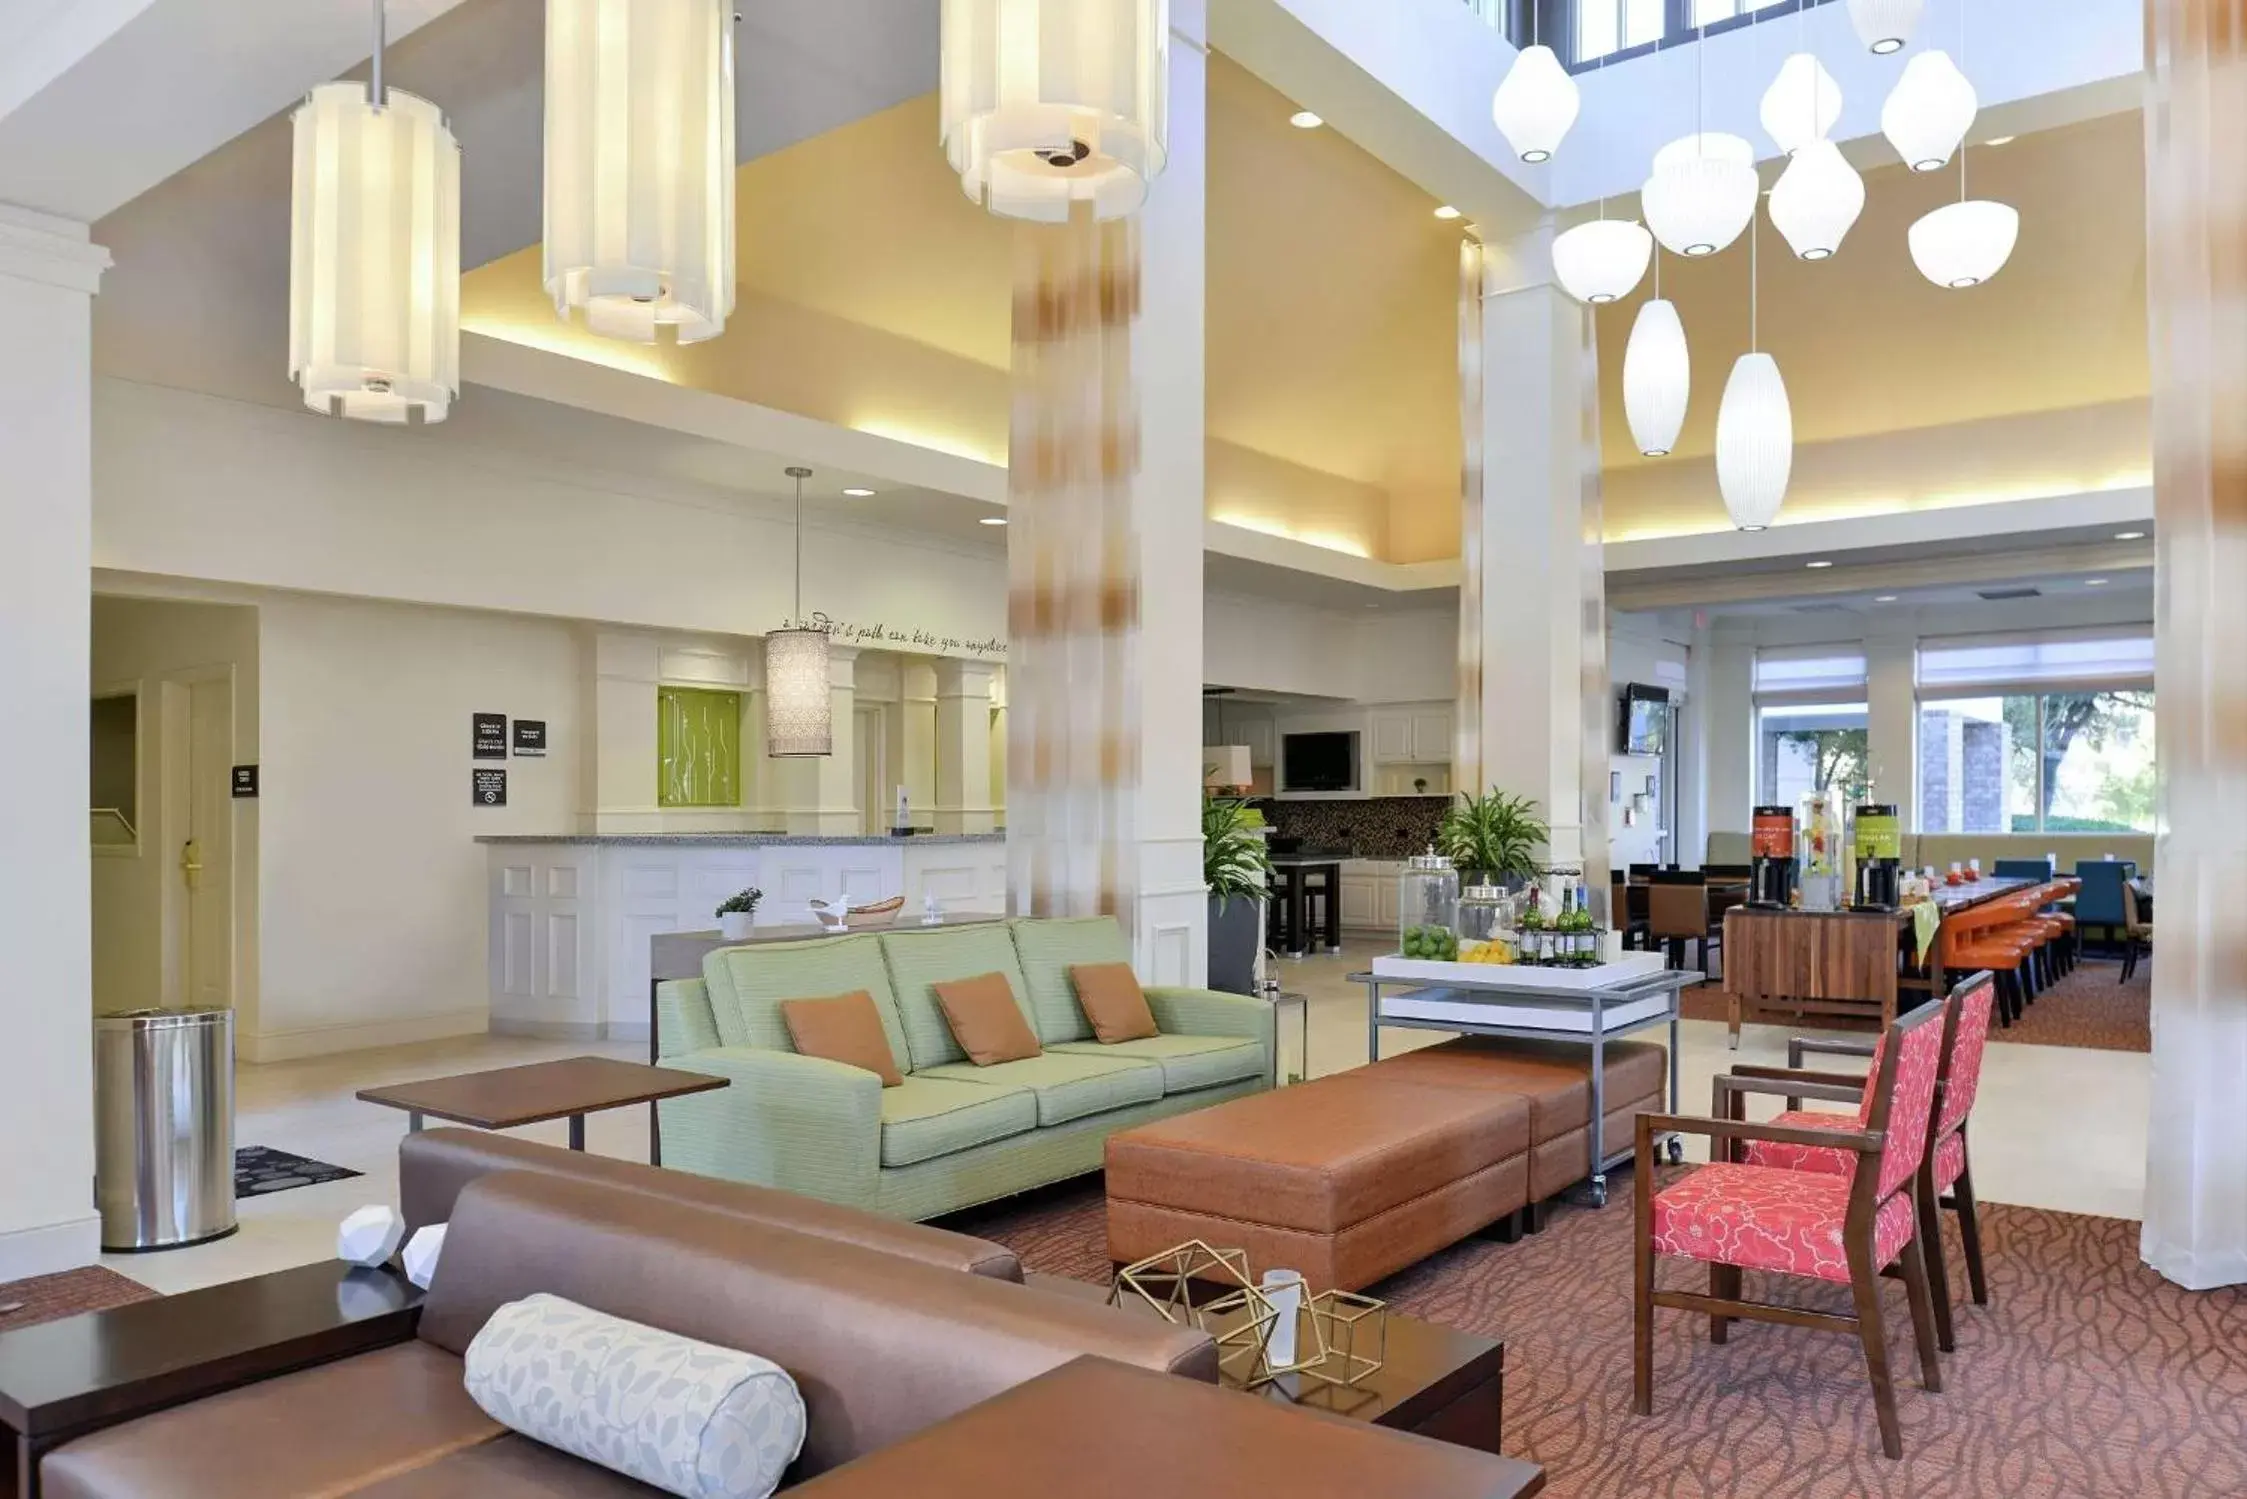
1385	827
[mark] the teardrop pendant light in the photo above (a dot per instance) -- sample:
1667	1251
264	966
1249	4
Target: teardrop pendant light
1929	112
1657	376
1965	243
1802	103
1885	25
1536	105
799	704
1754	429
1702	193
1602	261
1817	200
374	252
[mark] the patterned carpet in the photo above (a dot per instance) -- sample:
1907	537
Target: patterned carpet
2086	1008
43	1298
2087	1376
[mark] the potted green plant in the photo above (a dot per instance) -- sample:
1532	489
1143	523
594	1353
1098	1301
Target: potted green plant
1237	867
1493	838
737	915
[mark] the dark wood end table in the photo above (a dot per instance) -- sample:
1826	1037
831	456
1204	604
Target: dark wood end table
507	1097
63	1379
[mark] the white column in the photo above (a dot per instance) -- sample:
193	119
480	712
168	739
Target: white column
963	747
1546	712
1730	720
1690	822
621	770
49	272
912	733
1892	718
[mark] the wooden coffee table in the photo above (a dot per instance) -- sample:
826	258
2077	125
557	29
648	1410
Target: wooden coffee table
510	1096
1437	1381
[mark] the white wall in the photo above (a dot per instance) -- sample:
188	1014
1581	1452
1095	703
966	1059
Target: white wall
1399	655
1637	652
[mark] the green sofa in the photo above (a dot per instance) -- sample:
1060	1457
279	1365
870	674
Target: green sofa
953	1134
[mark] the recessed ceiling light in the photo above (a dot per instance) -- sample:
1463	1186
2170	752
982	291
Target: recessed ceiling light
1884	598
2129	536
859	494
1820	563
991	520
2001	140
2094	582
1447	212
1303	119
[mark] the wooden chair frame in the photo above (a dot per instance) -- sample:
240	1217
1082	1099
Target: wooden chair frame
1725	1302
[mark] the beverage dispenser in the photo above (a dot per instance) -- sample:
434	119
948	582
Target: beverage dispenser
1772	872
1880	848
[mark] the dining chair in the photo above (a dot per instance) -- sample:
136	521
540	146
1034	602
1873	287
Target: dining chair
1677	912
2137	935
1735	1216
2099	903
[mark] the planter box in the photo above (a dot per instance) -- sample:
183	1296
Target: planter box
1520	976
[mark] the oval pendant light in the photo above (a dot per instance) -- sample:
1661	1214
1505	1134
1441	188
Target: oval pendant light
640	166
1817	200
1754	443
1885	25
1603	260
1047	105
1802	103
1536	105
1965	244
1929	112
1702	194
1657	378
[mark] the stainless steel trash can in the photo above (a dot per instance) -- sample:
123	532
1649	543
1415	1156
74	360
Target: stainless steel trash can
164	1127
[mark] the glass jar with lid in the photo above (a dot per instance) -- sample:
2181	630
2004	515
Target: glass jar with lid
1486	932
1428	908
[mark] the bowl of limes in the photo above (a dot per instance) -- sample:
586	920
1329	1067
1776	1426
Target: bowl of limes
1433	944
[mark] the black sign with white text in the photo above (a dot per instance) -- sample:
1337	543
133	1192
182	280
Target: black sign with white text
489	787
530	737
245	781
490	736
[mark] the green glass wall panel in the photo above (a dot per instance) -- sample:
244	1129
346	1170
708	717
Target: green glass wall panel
698	747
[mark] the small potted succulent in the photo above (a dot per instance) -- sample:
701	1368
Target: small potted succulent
737	917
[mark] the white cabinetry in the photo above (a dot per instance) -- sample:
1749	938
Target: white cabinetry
1392	736
1261	735
1358	908
1431	736
1369	894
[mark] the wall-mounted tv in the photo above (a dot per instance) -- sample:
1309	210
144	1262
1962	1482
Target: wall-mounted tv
1642	727
1319	762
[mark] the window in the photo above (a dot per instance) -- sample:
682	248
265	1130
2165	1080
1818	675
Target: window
698	747
1585	32
1806	747
1609	26
1805	672
115	770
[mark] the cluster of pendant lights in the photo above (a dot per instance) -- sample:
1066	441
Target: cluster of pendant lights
1701	197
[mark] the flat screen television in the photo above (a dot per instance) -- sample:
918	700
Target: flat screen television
1319	762
1644	720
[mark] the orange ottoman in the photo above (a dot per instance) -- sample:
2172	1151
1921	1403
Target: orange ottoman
1348	1178
1555	1079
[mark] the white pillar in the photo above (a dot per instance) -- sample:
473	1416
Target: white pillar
1730	720
963	747
1546	710
1892	717
49	272
1691	820
912	733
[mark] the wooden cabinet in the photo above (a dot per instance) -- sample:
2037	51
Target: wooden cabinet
1261	735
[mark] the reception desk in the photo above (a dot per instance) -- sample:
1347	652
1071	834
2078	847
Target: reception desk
571	917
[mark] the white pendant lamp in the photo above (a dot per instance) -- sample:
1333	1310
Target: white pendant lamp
1603	260
1817	200
799	706
1965	243
374	252
1929	112
1754	431
1802	103
1047	105
1657	378
1885	25
1536	104
1702	194
640	166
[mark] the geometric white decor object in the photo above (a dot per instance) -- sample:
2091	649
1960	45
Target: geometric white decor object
1802	103
1603	260
1929	112
374	256
1964	244
1885	25
1047	104
1536	104
1817	199
640	165
1702	194
370	1235
1754	442
422	1251
1657	378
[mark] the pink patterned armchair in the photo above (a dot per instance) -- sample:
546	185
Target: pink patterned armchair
1843	1227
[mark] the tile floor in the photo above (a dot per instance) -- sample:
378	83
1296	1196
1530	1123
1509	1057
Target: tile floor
2055	1128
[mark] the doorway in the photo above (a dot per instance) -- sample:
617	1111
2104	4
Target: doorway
195	857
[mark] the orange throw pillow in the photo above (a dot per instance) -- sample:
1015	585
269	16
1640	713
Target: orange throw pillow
1113	1002
985	1020
842	1028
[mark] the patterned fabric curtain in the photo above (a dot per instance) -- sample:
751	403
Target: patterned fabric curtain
1073	654
2196	155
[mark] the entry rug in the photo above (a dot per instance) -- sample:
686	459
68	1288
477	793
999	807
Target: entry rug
260	1169
47	1298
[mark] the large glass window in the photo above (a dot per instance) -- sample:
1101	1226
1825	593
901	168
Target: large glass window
1805	747
1585	32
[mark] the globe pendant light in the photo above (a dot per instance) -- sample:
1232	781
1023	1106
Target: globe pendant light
1536	104
374	252
1657	375
640	166
1603	260
1929	112
1802	103
1047	105
799	705
1754	431
1817	200
1702	194
1964	243
1885	25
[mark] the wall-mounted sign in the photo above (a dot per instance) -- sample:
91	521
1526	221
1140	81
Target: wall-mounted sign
490	735
245	780
488	787
530	737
